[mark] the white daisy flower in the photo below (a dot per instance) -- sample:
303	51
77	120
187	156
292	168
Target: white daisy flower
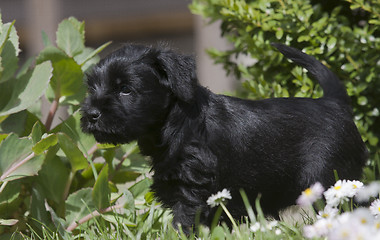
355	186
255	227
219	197
310	195
375	207
366	192
328	212
341	191
319	229
272	224
362	216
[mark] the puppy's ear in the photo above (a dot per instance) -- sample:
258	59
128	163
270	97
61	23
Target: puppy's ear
178	74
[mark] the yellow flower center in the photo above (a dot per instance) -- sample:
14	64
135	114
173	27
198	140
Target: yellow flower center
338	187
363	221
378	209
308	192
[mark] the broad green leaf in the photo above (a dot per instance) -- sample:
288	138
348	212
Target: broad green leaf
362	100
36	133
19	94
140	188
71	127
9	50
9	194
72	152
218	233
25	67
78	205
78	25
128	200
9	62
45	143
59	223
17	160
45	39
67	77
51	53
8	33
89	53
69	38
88	174
101	192
54	182
37	207
20	123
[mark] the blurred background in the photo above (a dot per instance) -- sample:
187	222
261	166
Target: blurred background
123	21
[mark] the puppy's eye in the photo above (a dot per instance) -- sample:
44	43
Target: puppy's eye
125	91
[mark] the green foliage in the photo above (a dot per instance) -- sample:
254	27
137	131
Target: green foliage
350	49
53	181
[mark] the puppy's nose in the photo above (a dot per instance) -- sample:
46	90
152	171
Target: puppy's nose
94	114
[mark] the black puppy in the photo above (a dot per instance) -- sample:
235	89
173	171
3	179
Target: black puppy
201	142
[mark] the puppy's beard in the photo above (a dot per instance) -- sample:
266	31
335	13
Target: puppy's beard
106	133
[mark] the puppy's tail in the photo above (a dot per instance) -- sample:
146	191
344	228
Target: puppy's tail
330	83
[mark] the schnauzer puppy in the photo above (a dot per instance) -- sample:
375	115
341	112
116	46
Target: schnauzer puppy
201	142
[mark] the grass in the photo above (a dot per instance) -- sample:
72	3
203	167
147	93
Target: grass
155	223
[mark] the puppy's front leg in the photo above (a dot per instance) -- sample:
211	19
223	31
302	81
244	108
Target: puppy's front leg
184	216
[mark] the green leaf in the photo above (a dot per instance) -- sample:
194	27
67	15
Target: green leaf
36	133
45	143
72	152
20	123
78	205
51	53
45	39
37	207
9	195
279	33
9	50
16	159
362	100
101	192
19	94
53	176
88	54
69	38
58	222
140	188
331	42
218	233
9	62
71	127
67	77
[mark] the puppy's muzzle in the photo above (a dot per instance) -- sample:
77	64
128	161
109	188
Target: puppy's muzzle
93	115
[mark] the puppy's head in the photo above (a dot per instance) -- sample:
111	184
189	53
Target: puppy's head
131	91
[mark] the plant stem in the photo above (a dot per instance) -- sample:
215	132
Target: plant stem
92	150
88	217
230	217
68	185
3	186
52	112
15	166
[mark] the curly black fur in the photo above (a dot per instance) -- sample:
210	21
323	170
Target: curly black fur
201	142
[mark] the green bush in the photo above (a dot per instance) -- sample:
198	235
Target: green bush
59	178
347	45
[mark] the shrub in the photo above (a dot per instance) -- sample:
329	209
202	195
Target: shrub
345	38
